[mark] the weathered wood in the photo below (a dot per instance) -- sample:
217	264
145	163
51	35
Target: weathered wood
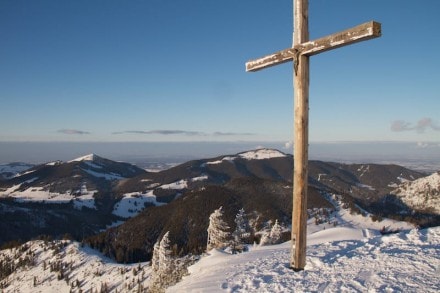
362	32
301	138
300	53
271	60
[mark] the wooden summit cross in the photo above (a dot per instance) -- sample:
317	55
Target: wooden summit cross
299	54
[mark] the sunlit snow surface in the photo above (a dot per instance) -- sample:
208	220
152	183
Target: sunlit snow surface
89	157
352	257
405	262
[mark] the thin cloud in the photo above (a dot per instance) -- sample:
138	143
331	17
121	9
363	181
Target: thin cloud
400	125
73	132
181	132
219	133
426	123
421	126
162	132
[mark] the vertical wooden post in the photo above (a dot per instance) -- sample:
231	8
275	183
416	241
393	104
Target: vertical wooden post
301	137
299	53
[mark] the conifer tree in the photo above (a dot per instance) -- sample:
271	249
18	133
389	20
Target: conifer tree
241	234
165	258
218	231
155	257
272	237
164	271
275	233
161	265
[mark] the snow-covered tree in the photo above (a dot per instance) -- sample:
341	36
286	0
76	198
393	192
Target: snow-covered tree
165	258
218	231
162	266
272	237
242	229
155	257
275	233
241	234
265	239
166	269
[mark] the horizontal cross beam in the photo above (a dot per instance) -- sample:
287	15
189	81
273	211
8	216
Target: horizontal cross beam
362	32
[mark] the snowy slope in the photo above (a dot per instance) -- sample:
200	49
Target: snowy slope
82	269
350	257
421	194
89	157
132	204
81	197
406	262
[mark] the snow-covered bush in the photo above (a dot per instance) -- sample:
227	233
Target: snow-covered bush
265	239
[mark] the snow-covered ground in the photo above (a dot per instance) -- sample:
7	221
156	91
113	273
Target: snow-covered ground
351	257
338	260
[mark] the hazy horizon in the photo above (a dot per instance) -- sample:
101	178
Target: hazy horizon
418	155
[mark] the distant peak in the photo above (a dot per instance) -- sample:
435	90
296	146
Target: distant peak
261	154
89	157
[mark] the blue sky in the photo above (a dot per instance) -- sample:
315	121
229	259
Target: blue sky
148	71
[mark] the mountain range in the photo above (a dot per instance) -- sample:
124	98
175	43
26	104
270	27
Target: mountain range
353	256
122	209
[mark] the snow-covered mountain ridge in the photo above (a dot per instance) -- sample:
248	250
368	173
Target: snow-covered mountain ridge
259	154
352	257
89	157
63	182
96	192
421	194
